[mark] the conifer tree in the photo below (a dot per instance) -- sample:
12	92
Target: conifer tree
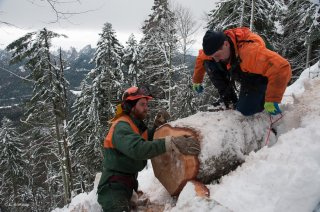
159	44
95	106
302	34
237	13
107	75
12	165
131	60
85	136
46	113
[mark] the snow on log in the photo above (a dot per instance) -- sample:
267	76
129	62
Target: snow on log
225	138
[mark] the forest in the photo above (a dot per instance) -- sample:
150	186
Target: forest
53	149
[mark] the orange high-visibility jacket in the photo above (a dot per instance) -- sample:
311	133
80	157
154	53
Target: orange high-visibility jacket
108	140
255	58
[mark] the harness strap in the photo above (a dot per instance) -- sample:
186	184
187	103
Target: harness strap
270	128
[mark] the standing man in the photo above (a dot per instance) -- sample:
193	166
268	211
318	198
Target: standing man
240	55
127	147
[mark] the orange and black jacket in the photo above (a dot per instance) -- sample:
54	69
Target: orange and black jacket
127	147
251	62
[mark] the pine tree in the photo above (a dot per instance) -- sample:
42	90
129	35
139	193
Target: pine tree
107	75
46	113
236	13
85	137
12	165
301	34
131	60
95	106
158	47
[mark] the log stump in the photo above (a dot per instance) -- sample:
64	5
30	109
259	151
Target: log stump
174	169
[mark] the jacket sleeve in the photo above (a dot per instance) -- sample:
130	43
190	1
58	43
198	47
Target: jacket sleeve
199	70
259	60
129	143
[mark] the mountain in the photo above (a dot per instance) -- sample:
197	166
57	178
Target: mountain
14	89
77	64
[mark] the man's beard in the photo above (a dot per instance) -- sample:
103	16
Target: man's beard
139	115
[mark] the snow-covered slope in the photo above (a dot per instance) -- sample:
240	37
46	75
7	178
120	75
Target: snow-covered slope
283	177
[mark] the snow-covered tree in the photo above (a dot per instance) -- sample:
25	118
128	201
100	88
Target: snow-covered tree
131	60
235	13
107	75
159	44
302	34
12	164
95	106
46	113
85	135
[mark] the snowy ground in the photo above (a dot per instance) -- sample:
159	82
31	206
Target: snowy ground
283	177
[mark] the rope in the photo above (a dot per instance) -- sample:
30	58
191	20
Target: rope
270	127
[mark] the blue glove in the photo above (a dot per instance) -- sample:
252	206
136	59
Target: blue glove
197	87
272	108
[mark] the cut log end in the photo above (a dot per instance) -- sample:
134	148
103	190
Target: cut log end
174	169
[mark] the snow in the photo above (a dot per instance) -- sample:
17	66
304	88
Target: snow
284	176
315	2
84	201
217	138
76	93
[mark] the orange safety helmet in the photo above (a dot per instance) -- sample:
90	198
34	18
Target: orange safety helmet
134	93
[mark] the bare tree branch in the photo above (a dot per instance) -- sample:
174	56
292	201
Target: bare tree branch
186	28
64	15
23	78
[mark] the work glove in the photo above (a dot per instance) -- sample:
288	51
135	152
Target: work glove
197	87
272	108
186	145
161	118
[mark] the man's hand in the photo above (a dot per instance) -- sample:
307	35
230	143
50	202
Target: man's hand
161	118
272	108
197	87
186	145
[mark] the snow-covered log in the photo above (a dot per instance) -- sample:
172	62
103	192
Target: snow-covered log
225	138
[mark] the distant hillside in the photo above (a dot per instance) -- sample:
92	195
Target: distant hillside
14	90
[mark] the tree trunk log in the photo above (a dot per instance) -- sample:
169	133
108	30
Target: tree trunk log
225	138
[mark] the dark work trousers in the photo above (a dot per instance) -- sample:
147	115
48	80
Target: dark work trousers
252	91
115	197
251	101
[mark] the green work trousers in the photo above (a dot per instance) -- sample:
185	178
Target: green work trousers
115	197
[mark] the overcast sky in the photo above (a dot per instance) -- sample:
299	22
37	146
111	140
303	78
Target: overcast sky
126	17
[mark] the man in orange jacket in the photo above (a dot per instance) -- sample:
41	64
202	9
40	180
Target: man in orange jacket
241	55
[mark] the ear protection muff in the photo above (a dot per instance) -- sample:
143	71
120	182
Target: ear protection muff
128	105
